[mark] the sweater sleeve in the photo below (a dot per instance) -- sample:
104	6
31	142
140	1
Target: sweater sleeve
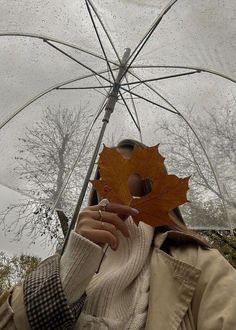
78	264
54	293
50	291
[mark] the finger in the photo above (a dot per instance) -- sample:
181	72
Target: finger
107	217
101	237
88	224
115	220
116	208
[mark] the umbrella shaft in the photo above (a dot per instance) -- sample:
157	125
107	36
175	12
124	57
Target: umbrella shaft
111	102
113	97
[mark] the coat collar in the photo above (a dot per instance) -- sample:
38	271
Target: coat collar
179	237
172	285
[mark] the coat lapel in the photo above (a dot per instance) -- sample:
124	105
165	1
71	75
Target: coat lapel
172	285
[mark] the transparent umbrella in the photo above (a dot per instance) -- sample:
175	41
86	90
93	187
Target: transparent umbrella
157	71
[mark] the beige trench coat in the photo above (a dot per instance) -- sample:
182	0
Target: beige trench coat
191	288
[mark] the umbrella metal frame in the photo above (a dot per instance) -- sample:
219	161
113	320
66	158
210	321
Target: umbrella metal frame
117	89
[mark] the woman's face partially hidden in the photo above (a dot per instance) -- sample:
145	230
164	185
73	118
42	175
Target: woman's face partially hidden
135	183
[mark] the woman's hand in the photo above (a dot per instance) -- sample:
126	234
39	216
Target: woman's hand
101	227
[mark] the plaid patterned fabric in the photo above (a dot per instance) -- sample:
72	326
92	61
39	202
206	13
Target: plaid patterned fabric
45	302
77	306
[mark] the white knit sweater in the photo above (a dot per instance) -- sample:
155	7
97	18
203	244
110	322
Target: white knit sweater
117	296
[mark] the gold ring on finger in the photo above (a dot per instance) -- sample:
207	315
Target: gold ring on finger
100	214
103	204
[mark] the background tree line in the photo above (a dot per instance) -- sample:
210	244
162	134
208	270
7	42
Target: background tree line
13	269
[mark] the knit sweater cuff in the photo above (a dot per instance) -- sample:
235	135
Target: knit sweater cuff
78	264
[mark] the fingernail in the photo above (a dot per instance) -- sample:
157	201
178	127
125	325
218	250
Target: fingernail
135	210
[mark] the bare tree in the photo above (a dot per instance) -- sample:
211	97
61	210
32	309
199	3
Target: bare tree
47	153
217	131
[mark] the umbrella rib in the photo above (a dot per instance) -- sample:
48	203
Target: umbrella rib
130	98
89	87
105	30
99	39
162	78
199	69
43	37
134	107
145	99
48	90
101	85
18	191
144	40
74	59
104	94
127	107
130	89
109	74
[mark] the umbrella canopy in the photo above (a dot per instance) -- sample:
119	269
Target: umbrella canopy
175	63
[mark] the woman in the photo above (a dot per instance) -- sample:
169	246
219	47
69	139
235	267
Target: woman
149	279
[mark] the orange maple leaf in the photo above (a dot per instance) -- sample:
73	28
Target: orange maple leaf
168	191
